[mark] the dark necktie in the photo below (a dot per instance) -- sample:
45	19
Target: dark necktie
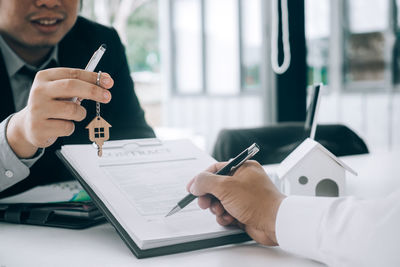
27	73
25	78
30	73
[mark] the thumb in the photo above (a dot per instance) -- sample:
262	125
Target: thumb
205	183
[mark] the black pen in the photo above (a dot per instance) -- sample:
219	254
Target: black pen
228	169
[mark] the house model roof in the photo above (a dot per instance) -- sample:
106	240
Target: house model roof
301	151
98	121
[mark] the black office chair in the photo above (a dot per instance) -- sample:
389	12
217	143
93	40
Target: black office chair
278	141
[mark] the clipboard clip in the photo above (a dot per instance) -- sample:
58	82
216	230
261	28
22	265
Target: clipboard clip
130	145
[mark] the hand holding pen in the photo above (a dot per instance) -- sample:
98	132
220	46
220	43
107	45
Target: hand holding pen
248	199
228	169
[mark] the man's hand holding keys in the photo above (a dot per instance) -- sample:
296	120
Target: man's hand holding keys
50	113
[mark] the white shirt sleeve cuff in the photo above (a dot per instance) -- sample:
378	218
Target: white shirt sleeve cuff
298	224
12	169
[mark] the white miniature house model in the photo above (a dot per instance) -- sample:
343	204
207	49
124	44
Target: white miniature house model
312	170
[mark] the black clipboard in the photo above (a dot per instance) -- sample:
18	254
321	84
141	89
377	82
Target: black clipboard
159	251
59	214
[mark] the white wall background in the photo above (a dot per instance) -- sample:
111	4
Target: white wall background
206	116
375	117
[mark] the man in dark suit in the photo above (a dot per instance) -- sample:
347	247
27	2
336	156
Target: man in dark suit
36	119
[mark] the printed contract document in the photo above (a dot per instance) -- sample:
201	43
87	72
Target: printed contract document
136	183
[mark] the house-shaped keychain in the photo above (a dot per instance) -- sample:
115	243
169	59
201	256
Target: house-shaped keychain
313	170
99	132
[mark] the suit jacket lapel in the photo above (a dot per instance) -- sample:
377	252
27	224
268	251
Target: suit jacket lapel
73	53
6	99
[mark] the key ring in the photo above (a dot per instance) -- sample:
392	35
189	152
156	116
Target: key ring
98	78
97	103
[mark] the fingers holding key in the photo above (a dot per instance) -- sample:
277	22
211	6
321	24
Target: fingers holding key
49	98
68	88
67	83
75	74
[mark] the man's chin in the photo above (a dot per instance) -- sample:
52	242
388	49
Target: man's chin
39	45
42	45
32	43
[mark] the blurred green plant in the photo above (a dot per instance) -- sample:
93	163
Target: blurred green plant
142	35
137	26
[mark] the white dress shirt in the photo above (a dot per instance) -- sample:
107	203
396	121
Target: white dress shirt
341	231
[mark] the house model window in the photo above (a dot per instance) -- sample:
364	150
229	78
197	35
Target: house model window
99	132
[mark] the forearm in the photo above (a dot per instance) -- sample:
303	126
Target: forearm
15	138
12	169
341	231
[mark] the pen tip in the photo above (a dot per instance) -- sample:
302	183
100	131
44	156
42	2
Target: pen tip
169	214
173	211
104	46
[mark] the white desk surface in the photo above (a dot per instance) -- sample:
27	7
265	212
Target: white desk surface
22	245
